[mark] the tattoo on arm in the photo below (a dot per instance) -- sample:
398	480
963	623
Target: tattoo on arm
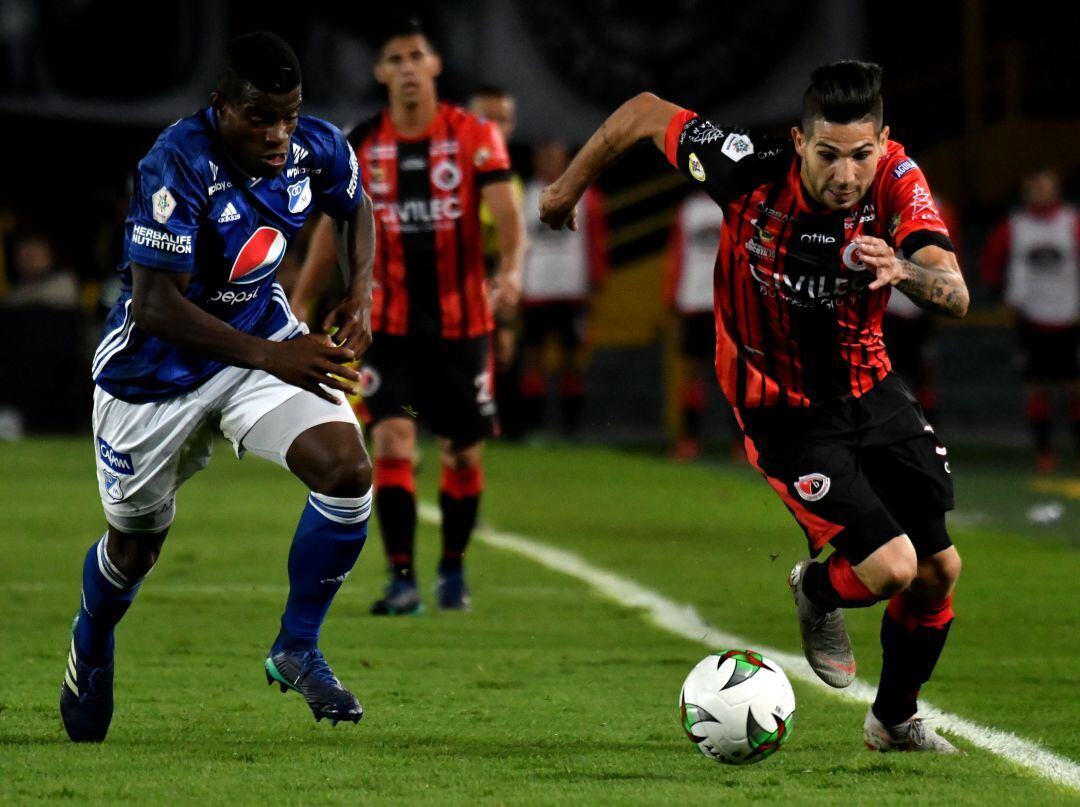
935	290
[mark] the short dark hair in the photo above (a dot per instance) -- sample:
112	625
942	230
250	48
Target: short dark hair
403	26
490	91
262	59
843	92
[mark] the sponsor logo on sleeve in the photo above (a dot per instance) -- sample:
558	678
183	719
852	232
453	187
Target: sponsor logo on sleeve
697	170
737	146
164	205
903	167
114	460
812	487
482	155
143	236
299	195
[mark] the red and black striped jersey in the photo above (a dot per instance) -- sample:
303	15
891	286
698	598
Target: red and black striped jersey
796	323
429	259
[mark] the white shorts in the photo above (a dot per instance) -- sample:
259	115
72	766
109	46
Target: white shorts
146	451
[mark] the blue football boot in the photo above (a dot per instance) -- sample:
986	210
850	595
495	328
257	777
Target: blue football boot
308	673
86	699
400	598
451	593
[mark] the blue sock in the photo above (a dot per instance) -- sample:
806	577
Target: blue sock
327	543
106	596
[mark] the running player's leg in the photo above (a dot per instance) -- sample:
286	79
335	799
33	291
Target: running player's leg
822	485
321	444
144	453
394	441
913	479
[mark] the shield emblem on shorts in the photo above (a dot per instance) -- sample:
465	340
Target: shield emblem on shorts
300	195
112	486
812	486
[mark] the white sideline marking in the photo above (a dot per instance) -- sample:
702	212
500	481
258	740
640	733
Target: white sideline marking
683	620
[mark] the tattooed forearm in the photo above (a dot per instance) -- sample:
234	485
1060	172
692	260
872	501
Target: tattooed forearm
935	289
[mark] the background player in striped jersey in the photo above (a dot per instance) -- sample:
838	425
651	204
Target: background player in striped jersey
428	165
1032	258
688	283
817	229
562	273
201	338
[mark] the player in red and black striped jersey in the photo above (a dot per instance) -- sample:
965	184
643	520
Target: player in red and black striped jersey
817	230
427	166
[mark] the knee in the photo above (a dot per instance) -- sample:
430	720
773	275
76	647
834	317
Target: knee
134	554
939	573
343	471
458	458
895	572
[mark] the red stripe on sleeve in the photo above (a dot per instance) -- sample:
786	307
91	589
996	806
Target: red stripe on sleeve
674	129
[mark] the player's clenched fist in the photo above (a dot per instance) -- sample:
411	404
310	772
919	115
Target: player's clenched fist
557	208
350	323
313	361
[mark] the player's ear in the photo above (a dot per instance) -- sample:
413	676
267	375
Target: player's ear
380	72
799	139
883	141
216	101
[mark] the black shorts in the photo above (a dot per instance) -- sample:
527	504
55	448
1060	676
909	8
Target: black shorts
857	473
567	319
445	383
1050	354
697	336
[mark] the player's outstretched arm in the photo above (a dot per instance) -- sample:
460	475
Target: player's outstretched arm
510	232
320	259
350	320
309	362
643	116
930	277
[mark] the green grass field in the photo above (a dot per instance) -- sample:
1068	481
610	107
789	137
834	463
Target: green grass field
546	693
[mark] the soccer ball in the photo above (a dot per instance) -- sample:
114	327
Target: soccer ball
737	706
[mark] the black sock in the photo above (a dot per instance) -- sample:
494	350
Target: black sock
396	511
458	521
908	659
1040	430
572	406
818	588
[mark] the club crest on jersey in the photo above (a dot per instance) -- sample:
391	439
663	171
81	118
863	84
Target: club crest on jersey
445	175
259	256
164	205
812	486
300	195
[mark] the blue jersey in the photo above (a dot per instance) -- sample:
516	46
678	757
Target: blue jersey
194	211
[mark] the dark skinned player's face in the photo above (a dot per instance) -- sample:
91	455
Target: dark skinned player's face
839	160
256	128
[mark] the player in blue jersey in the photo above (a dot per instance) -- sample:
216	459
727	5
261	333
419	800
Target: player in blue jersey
202	339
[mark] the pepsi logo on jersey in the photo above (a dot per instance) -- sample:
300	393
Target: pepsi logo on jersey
259	256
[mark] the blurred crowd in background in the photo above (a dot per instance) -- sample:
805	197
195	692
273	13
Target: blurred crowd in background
615	337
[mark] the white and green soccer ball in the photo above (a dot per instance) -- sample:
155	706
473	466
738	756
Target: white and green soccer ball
737	706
